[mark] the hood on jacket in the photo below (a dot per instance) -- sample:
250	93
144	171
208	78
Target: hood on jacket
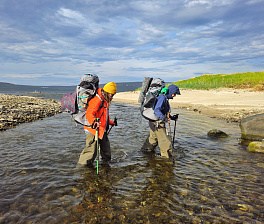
173	89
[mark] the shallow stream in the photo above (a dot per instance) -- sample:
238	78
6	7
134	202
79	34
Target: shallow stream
212	181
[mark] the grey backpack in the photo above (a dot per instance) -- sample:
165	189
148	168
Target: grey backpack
85	91
151	88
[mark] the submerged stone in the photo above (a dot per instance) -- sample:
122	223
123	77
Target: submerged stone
252	127
256	147
215	133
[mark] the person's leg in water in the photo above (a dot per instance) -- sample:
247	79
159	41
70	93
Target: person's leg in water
164	142
105	150
151	141
88	154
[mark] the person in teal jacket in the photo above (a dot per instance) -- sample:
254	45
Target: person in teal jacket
158	134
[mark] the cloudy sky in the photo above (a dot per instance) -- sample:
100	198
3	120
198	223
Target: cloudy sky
54	42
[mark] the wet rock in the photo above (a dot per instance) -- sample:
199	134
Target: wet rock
15	110
245	207
256	147
215	133
252	127
260	165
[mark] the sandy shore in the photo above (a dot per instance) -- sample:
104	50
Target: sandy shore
231	105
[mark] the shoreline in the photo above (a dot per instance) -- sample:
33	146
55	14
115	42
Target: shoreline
231	105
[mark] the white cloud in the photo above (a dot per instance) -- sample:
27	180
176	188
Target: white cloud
71	17
252	2
208	3
121	39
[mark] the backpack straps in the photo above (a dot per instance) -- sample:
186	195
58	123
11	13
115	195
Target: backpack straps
102	102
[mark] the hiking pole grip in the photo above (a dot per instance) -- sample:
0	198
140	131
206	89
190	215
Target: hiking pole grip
115	121
177	115
115	124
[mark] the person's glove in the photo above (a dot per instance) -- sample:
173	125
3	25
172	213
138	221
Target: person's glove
174	117
115	121
95	124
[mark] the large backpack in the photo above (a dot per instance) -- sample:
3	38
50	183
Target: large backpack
151	88
77	102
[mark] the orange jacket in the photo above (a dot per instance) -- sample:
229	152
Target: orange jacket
98	108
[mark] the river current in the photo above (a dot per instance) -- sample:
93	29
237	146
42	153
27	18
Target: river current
212	180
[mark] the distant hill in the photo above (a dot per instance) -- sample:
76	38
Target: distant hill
8	87
13	88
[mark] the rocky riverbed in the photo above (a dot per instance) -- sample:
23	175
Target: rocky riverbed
15	110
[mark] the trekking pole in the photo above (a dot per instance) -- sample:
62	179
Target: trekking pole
97	148
175	128
115	120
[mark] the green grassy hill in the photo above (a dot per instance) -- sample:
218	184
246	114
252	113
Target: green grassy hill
249	80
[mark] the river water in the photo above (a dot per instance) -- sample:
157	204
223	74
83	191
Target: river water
212	180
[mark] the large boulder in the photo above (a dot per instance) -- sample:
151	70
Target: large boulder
252	127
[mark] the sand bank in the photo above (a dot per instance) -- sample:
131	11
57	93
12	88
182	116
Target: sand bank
229	104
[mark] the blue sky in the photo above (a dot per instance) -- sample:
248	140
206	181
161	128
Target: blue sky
54	42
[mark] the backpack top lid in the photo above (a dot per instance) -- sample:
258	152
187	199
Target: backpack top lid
157	82
156	86
90	78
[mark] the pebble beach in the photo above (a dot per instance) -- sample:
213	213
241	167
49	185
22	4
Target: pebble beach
23	109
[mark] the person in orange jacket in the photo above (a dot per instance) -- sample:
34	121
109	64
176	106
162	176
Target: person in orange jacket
97	114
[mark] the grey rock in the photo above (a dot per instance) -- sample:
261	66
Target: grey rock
252	127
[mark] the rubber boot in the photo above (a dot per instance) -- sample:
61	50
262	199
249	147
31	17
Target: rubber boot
171	156
89	164
106	163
